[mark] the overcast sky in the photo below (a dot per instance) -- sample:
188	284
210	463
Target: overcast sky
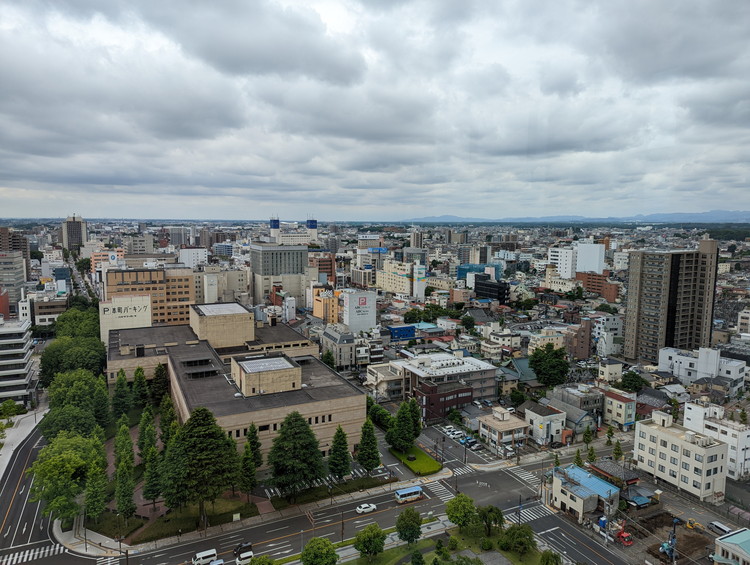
373	110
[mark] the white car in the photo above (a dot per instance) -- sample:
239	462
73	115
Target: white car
366	508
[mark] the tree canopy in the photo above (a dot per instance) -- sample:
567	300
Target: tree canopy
460	510
76	322
339	461
370	541
319	551
400	436
368	454
549	364
295	457
69	354
409	525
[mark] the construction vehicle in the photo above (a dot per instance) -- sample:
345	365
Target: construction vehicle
625	538
616	529
693	524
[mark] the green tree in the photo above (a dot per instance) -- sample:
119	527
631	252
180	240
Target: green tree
151	478
339	462
123	446
674	408
76	323
588	436
549	364
121	398
409	525
519	538
319	551
254	441
400	436
557	460
413	316
146	432
578	460
262	560
295	457
468	322
490	516
95	494
731	416
370	541
60	472
159	384
632	382
173	471
68	354
140	388
416	417
610	434
417	558
100	401
248	480
461	511
124	490
591	457
550	557
68	418
743	416
167	418
209	457
329	359
617	451
368	454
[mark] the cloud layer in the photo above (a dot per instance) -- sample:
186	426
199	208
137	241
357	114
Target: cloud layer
373	110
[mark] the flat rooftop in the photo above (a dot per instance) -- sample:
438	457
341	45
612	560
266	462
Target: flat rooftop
155	339
275	334
220	309
217	391
265	364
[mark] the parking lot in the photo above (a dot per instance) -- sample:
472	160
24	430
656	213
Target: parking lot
445	442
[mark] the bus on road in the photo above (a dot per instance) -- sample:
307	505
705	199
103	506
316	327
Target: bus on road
409	494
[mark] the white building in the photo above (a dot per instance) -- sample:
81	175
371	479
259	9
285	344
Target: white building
15	361
194	256
564	260
590	258
710	419
607	333
689	366
124	312
620	260
359	310
694	463
407	279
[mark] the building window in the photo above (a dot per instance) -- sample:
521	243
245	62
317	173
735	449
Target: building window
696	484
673	473
686	453
663	456
650	463
675	447
652	439
642	434
686	466
663	442
699	458
661	468
673	460
641	447
651	451
263	428
684	478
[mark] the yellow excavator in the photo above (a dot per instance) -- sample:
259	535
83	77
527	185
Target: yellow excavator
693	524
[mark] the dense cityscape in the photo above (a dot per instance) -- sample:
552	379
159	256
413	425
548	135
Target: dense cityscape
178	391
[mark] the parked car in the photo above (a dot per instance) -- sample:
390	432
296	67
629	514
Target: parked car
556	444
476	447
487	402
365	508
471	442
242	548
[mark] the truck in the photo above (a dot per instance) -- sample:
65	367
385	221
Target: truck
616	529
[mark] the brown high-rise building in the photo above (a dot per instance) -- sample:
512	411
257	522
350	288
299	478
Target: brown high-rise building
74	232
172	291
670	300
12	240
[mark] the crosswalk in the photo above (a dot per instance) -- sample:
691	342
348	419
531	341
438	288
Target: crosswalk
526	477
108	561
330	480
528	514
31	554
438	490
462	470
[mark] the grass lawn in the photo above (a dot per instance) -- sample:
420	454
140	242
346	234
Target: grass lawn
320	493
470	538
220	512
422	465
113	526
397	554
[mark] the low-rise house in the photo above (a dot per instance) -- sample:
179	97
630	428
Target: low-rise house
501	428
575	418
732	548
578	492
546	423
619	409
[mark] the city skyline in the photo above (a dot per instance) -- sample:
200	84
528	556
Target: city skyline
372	111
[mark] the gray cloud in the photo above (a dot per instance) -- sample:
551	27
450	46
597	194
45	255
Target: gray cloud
373	110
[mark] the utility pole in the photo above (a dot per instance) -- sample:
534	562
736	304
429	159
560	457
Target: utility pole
519	509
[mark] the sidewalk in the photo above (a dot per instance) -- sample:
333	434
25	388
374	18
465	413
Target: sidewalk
14	436
93	544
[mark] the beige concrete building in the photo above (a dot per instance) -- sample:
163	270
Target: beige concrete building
610	370
502	429
692	462
543	337
325	305
223	325
124	312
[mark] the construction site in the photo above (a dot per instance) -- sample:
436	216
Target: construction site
667	539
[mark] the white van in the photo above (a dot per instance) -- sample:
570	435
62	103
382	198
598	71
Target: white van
719	528
244	558
476	403
205	557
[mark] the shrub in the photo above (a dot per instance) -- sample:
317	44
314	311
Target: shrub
485	544
453	543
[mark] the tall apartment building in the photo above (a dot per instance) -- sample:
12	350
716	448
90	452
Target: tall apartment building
172	291
139	244
670	300
590	258
564	260
402	278
15	361
12	276
694	463
74	232
743	321
416	238
12	240
711	420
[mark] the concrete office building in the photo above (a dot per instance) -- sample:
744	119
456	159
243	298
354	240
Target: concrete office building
590	258
13	277
704	363
564	260
694	463
359	312
124	312
42	308
408	279
711	420
16	382
13	240
670	300
193	256
74	232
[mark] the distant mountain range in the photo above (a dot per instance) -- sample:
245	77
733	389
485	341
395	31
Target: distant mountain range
712	217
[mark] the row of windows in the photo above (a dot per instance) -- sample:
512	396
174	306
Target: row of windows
275	426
